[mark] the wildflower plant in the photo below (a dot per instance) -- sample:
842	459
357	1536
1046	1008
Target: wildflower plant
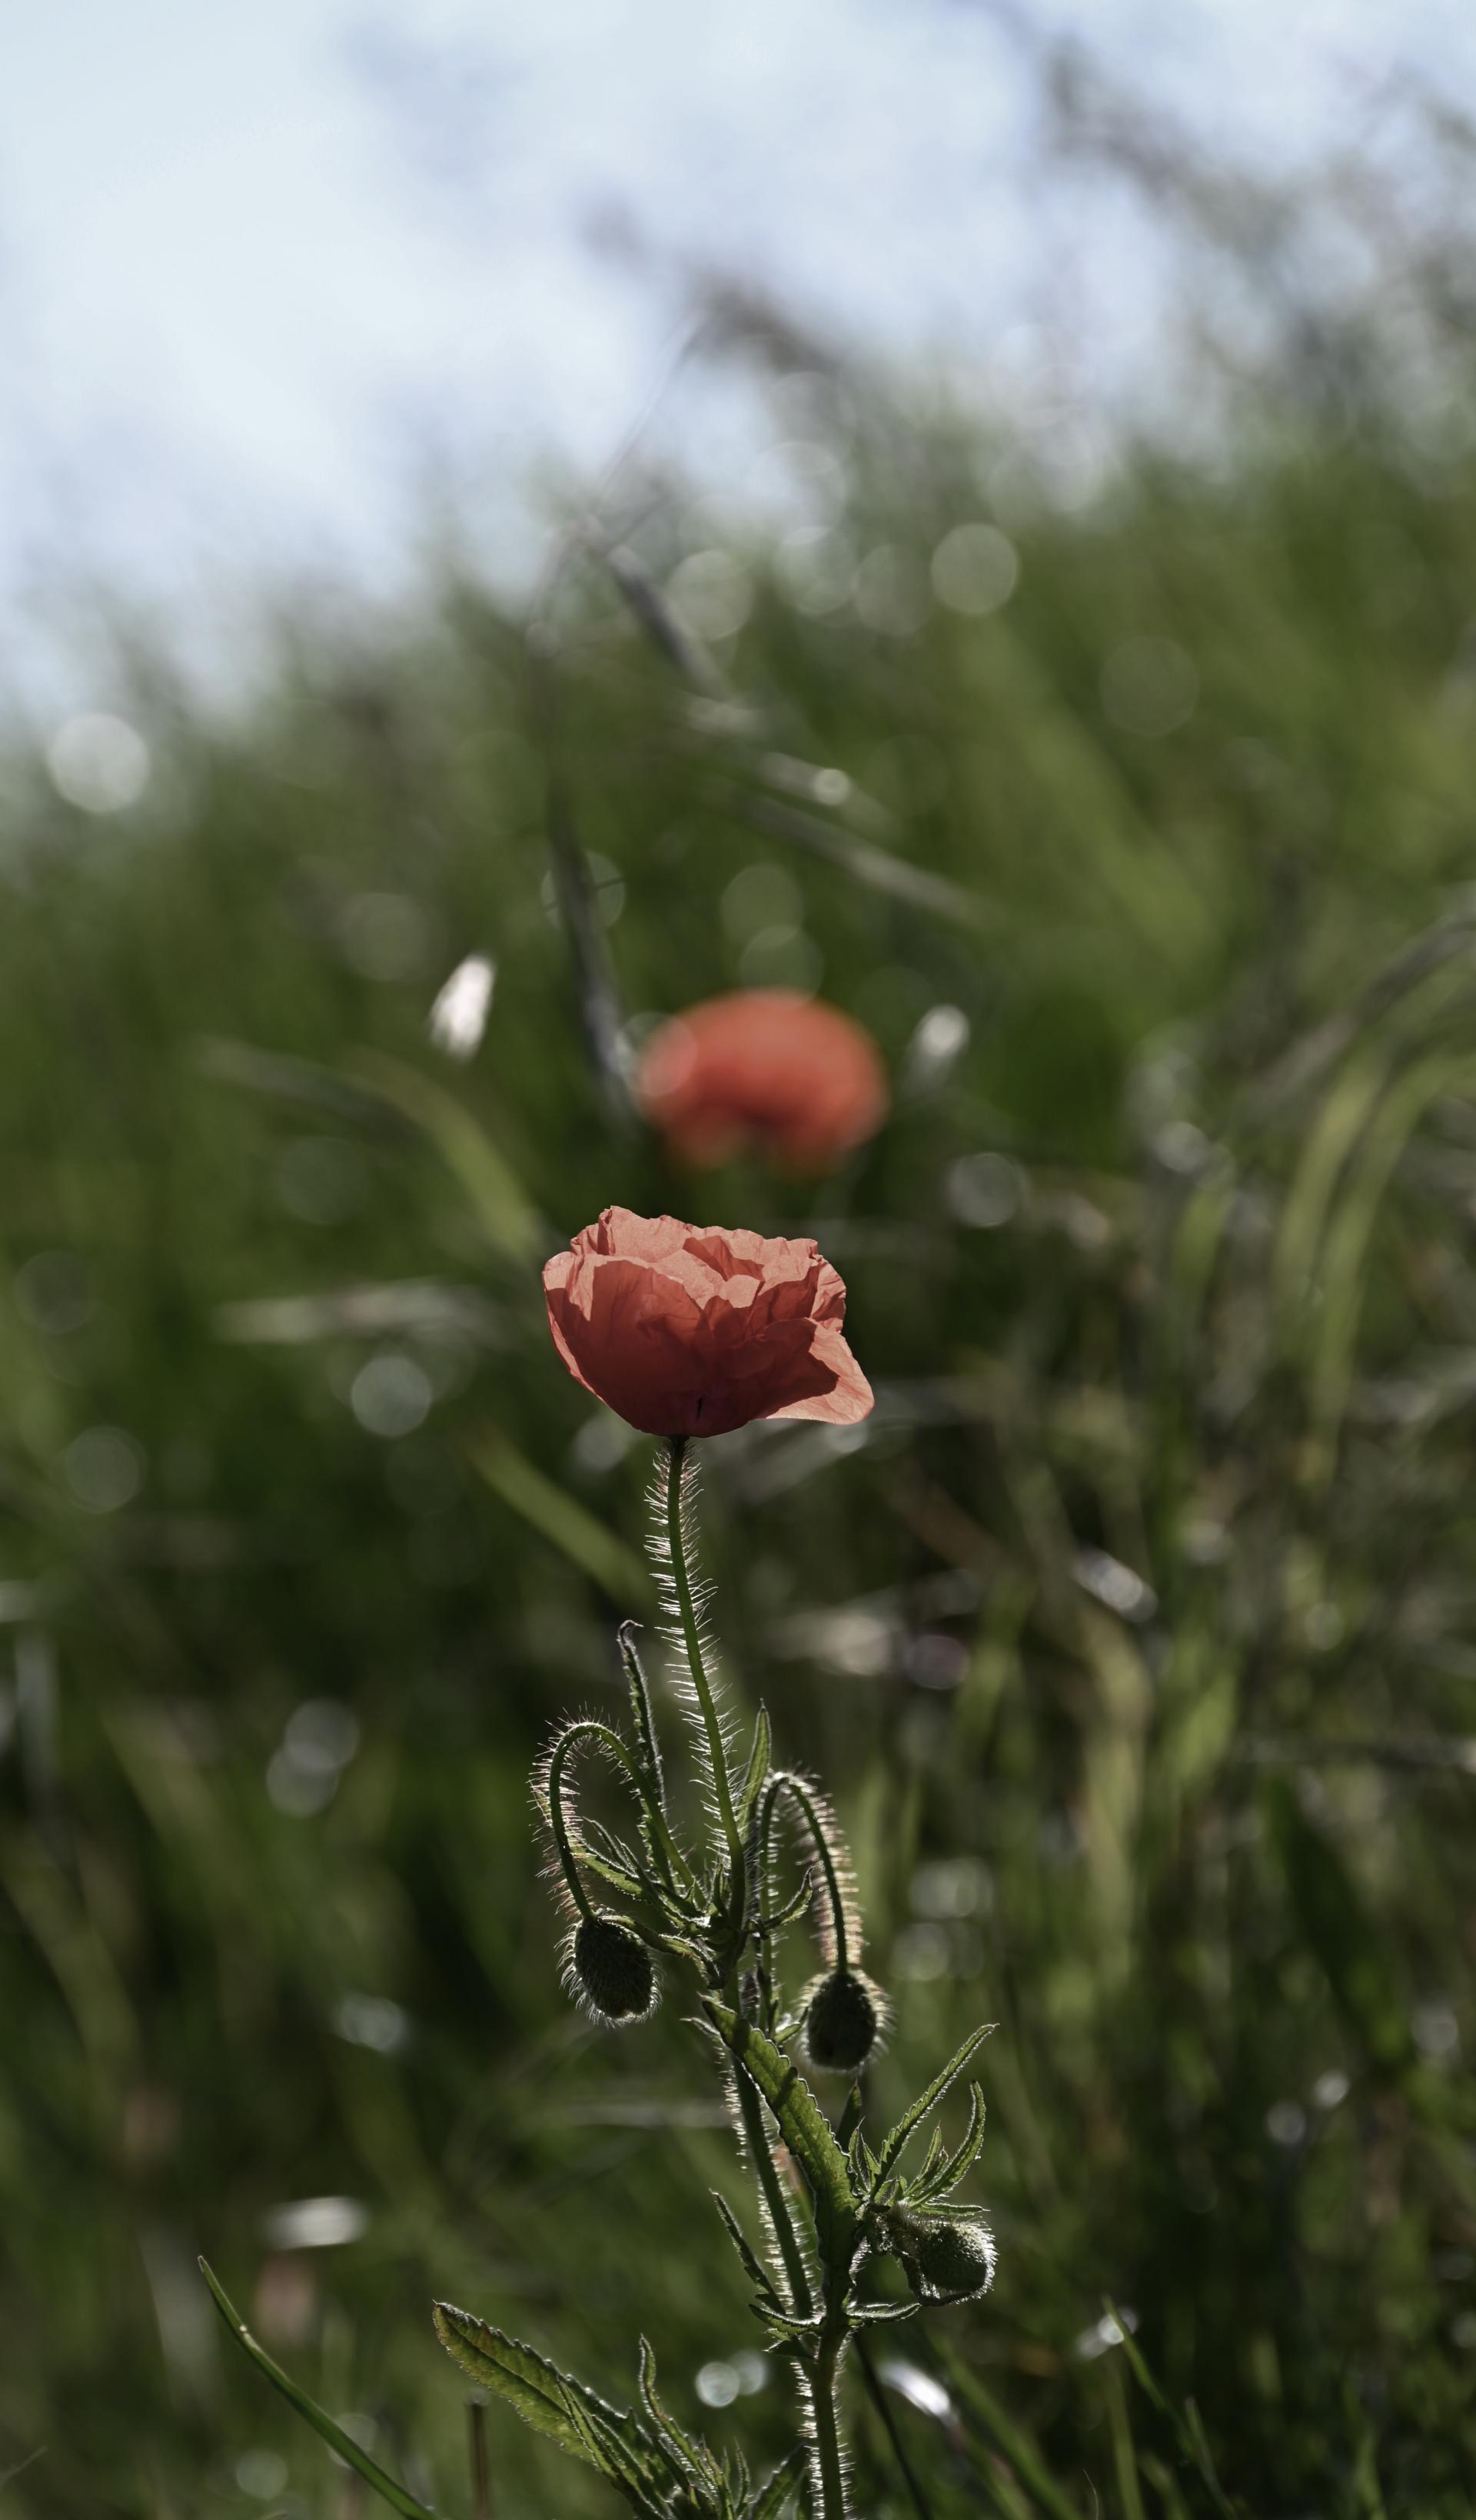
752	1328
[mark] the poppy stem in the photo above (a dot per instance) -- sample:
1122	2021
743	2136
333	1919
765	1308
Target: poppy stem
832	2502
586	1729
771	2188
570	1868
691	1637
794	1786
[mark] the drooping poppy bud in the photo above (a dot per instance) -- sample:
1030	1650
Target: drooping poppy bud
844	2018
610	1970
948	2257
687	1330
763	1067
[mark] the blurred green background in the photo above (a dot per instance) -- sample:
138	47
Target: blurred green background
1135	1634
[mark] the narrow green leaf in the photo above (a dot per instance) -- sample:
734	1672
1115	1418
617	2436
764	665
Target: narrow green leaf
1194	2427
512	2371
1124	2447
503	1208
1006	2435
616	1849
546	2398
933	2160
1188	2426
804	2126
752	2265
793	1905
1343	1936
758	1769
647	1748
793	2330
777	2494
302	1081
691	2462
346	2447
637	2475
960	2163
558	1516
907	2125
851	2117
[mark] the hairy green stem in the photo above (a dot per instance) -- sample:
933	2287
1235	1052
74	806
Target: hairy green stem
765	2171
798	1793
556	1766
587	1729
691	1639
831	2500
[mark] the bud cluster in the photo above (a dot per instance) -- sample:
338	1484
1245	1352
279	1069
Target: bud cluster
776	1857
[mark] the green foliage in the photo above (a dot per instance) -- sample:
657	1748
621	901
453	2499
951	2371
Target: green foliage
803	2127
1162	1275
342	2444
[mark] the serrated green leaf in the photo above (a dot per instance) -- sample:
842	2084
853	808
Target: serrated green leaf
691	2462
546	2398
960	2163
752	2265
636	2475
934	2157
777	2494
791	2330
758	1769
619	1851
804	2126
343	2443
862	2159
907	2125
794	1905
851	2117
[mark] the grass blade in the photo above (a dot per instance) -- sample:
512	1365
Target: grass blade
343	2443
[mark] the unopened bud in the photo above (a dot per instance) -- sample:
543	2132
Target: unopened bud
610	1969
844	2014
948	2257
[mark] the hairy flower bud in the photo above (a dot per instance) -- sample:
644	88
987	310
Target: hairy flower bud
609	1969
844	2017
948	2257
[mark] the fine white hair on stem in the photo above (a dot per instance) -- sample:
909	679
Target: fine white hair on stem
670	1629
754	2130
821	1842
577	1735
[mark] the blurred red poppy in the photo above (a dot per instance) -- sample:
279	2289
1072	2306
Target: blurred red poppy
693	1329
765	1067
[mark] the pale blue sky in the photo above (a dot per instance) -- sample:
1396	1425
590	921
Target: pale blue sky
262	270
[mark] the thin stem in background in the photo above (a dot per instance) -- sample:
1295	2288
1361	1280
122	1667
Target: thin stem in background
879	2399
482	2484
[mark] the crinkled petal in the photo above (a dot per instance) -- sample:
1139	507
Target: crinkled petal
695	1331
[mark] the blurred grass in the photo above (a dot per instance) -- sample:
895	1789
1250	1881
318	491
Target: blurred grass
1137	1637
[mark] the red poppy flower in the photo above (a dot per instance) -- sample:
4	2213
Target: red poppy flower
693	1329
765	1065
